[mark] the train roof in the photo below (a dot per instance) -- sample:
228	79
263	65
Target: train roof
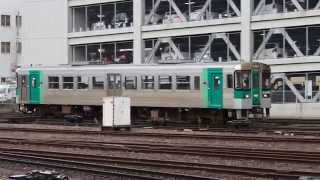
235	65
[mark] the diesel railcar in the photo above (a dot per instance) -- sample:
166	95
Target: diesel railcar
188	91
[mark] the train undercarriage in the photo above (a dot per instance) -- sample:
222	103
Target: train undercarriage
156	116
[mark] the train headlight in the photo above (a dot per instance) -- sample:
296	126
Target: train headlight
266	95
247	96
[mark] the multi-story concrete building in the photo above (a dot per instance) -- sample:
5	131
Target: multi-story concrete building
10	43
282	33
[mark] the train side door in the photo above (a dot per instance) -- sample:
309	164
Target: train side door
256	91
35	87
114	84
215	88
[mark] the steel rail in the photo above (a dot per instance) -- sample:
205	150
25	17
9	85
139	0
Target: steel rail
171	135
247	171
113	169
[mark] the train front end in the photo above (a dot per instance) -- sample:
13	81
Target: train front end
252	90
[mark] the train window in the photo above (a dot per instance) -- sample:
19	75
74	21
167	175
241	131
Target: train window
23	81
97	82
147	82
53	82
165	82
197	82
131	82
82	82
266	84
183	82
34	83
114	81
229	81
242	79
67	82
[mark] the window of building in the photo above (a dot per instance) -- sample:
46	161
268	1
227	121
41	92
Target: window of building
19	47
5	20
98	82
197	82
229	81
82	82
147	82
53	82
165	82
68	82
5	47
18	21
131	82
183	82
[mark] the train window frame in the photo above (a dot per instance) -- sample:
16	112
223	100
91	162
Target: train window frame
197	83
150	80
236	78
181	84
82	82
116	83
53	82
230	81
71	83
130	81
266	80
162	84
98	84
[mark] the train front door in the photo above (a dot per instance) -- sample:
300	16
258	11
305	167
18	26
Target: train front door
215	88
114	84
35	87
256	91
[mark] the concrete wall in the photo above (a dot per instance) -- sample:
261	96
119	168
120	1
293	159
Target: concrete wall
296	111
9	34
45	35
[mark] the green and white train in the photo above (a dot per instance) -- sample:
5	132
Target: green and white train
178	91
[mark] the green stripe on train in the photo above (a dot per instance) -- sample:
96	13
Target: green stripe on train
35	87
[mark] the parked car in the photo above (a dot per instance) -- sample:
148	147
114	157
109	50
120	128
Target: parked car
40	175
172	18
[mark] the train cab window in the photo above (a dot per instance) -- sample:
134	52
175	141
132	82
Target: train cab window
114	81
229	81
147	82
67	82
53	82
197	83
165	82
131	82
82	82
97	82
242	79
183	82
266	84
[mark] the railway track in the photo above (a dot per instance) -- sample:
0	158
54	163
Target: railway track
120	163
309	158
261	138
225	152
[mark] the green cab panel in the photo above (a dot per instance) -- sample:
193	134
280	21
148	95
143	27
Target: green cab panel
35	87
256	90
241	93
212	92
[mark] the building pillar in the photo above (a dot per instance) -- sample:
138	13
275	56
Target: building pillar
138	20
246	34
